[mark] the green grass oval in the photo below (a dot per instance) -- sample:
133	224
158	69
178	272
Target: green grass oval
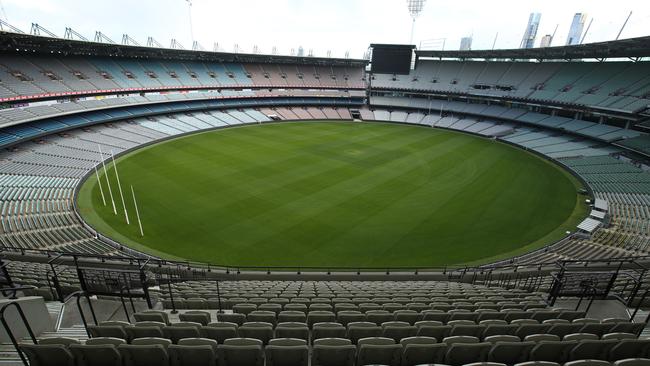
336	194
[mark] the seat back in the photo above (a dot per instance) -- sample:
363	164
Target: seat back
281	355
96	355
333	355
464	353
240	355
510	353
418	353
379	354
48	354
143	355
195	355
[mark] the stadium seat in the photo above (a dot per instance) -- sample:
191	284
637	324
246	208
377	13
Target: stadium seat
143	354
463	353
328	330
96	354
196	355
202	317
220	331
48	354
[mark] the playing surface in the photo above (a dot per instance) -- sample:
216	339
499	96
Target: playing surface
336	194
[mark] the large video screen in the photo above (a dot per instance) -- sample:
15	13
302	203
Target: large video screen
391	59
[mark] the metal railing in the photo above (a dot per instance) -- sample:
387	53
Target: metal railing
10	333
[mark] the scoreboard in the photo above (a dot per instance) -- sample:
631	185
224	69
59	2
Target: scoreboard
391	59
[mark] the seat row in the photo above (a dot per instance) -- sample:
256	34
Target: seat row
212	301
380	316
455	351
354	331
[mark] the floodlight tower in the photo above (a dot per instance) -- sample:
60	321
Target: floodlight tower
415	8
189	9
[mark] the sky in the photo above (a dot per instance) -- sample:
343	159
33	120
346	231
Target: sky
338	26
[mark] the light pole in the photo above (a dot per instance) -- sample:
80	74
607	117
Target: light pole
415	8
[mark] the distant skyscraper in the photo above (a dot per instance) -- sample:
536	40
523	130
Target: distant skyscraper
466	43
546	41
575	33
531	30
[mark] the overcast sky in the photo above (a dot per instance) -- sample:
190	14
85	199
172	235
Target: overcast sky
322	25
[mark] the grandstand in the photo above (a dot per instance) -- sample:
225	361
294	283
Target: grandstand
91	300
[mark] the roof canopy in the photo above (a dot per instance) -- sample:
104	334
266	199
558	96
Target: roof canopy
633	48
20	42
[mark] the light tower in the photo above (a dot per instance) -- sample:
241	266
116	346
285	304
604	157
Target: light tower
189	10
415	8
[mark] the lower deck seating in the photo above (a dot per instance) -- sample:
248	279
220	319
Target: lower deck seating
155	340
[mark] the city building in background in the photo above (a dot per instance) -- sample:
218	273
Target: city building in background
575	32
528	41
466	43
546	41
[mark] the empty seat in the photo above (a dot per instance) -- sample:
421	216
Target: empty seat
220	331
629	348
421	350
292	330
397	330
143	354
437	332
378	316
592	350
257	330
245	308
510	352
238	319
328	330
152	315
240	354
553	351
107	331
287	355
96	354
463	353
262	316
580	337
292	316
48	354
333	354
618	336
314	317
348	316
202	317
177	332
358	330
408	316
136	331
195	355
378	351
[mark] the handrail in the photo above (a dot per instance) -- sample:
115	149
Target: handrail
78	296
464	269
14	290
11	334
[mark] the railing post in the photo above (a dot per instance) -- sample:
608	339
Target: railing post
11	334
171	294
220	311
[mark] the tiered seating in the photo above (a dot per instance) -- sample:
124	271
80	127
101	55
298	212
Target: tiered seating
522	330
613	85
35	76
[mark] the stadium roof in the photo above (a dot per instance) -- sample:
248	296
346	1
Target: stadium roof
20	42
633	48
